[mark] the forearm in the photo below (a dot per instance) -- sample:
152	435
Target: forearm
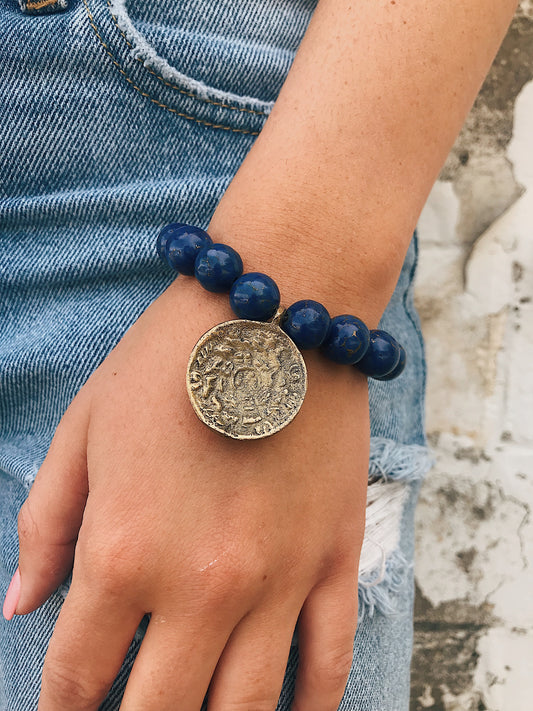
328	197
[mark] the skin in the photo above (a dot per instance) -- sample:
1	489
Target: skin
228	543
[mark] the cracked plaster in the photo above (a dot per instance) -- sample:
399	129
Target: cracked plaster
474	608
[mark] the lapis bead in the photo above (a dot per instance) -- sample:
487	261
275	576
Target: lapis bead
217	266
346	340
382	355
166	234
399	368
254	296
182	247
307	323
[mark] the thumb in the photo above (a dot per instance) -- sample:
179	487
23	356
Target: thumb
50	518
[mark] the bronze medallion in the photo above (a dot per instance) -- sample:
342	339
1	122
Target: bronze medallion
246	379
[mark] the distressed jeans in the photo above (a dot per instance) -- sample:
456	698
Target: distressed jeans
118	117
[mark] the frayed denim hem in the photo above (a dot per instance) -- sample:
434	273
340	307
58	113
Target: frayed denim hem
382	567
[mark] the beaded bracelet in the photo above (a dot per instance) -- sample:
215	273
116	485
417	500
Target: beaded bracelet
247	378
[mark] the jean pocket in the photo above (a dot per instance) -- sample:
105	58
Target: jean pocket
221	64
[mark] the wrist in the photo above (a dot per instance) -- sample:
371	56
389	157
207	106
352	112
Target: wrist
246	377
186	311
313	256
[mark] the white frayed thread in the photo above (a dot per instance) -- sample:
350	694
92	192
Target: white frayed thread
151	59
390	460
382	566
380	597
384	509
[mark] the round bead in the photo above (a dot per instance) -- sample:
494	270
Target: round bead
254	296
166	234
182	246
382	355
399	368
307	323
217	266
346	340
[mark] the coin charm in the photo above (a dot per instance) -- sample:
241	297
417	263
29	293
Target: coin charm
246	379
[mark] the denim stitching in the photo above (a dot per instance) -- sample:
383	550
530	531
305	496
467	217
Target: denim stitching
174	86
155	101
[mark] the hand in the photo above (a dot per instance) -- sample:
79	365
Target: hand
226	543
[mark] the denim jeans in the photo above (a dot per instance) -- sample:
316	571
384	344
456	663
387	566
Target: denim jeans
117	118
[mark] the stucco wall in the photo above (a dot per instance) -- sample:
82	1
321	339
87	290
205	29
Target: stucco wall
474	606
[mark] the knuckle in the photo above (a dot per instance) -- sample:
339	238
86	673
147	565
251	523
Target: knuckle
344	554
230	576
113	572
226	581
67	688
116	561
331	673
27	527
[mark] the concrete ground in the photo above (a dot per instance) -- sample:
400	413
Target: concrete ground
474	605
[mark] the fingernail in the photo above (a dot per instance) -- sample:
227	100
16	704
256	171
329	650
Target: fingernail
12	596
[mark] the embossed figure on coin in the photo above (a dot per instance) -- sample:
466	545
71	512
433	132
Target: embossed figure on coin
246	379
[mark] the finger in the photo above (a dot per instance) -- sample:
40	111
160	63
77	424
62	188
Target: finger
177	658
250	672
50	518
326	631
90	641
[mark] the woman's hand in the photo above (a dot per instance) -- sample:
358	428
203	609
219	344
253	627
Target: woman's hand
226	543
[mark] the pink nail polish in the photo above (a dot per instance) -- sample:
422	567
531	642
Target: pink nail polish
12	596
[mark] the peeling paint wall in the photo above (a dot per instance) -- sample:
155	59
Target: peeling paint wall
474	602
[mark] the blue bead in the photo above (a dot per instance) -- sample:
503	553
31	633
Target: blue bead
399	368
182	246
217	266
382	355
166	234
347	339
254	296
307	323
